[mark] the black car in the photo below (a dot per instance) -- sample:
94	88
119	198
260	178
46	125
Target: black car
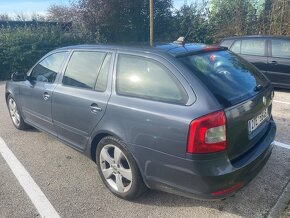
270	54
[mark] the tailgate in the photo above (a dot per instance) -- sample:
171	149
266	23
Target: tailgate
248	122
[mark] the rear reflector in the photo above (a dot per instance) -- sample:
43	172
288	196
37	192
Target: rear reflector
228	190
207	134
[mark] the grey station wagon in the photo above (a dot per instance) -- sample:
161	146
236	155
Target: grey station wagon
187	119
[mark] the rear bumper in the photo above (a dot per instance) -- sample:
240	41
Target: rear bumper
202	175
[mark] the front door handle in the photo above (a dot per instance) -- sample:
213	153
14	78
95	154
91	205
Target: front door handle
274	62
95	108
46	96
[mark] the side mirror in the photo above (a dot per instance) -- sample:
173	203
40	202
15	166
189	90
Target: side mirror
18	77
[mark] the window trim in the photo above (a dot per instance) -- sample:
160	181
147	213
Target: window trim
59	73
175	78
106	51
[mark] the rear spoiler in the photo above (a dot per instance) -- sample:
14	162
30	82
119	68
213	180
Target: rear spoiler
203	50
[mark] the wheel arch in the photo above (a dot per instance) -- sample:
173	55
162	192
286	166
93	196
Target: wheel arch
6	96
95	141
99	136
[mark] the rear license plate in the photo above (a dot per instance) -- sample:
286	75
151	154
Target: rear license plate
258	120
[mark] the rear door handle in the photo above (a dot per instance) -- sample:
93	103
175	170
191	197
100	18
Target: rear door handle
46	96
95	108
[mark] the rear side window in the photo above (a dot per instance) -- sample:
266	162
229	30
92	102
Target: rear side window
280	48
253	47
236	47
227	43
48	68
145	78
230	78
83	69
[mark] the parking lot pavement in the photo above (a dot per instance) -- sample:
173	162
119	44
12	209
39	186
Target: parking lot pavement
282	95
70	181
287	213
13	200
281	114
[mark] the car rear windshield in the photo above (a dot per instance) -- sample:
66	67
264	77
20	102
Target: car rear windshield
229	77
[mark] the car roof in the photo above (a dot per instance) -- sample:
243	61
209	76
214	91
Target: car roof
173	49
257	36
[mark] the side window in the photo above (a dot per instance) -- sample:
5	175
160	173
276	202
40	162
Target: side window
226	43
280	48
102	79
146	78
48	68
83	68
253	47
236	47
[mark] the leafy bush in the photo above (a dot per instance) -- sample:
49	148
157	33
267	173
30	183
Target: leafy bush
21	47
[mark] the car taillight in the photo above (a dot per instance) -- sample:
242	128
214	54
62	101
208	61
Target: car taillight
207	134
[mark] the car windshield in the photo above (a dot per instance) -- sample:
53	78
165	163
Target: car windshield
229	77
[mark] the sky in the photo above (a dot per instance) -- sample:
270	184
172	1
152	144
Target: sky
39	6
27	6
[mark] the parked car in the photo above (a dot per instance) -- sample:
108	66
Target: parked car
186	119
270	54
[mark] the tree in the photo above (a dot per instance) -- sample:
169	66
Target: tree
193	20
232	17
163	20
265	17
280	17
4	17
61	13
116	20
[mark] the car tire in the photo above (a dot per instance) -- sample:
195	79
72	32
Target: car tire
118	169
15	115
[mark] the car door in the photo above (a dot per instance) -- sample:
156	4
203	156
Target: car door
279	62
253	50
80	99
37	91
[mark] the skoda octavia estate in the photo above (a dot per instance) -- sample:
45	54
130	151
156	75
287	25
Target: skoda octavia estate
187	119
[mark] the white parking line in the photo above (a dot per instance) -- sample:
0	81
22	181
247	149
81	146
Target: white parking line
281	102
35	194
280	144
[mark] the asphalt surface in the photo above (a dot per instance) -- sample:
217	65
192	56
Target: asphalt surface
71	183
287	212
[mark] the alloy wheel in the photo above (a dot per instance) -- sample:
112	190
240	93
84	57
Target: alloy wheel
115	168
14	112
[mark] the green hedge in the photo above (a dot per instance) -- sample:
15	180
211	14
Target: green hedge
20	48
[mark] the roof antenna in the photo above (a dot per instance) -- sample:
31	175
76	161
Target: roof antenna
187	34
181	40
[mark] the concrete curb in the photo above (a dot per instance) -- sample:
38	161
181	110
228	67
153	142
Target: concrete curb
281	205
